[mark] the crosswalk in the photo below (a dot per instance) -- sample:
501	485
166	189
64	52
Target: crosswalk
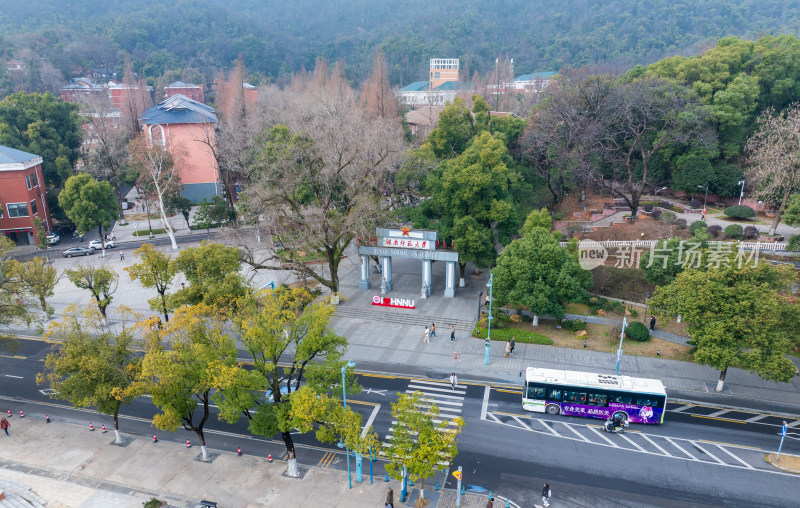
449	400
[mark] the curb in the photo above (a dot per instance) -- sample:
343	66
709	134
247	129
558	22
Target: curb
768	460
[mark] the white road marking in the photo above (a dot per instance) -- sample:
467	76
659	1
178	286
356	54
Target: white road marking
756	418
524	425
549	428
708	453
428	389
745	464
370	420
665	452
436	383
793	424
485	406
718	413
676	445
15	377
626	438
600	434
682	408
577	433
437	395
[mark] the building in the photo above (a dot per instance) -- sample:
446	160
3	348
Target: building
442	70
15	65
423	120
22	194
120	94
532	83
80	89
194	92
442	85
185	127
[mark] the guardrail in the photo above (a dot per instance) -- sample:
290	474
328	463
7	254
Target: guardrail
648	244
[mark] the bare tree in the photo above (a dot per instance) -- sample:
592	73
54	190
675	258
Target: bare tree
377	97
137	97
774	158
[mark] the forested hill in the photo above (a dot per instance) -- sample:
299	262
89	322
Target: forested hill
277	37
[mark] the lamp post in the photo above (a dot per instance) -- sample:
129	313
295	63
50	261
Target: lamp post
349	364
488	344
741	183
706	198
646	299
621	335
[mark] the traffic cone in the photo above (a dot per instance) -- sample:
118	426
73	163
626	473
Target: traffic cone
188	444
463	490
155	439
411	482
104	428
91	426
508	504
47	418
269	458
9	413
437	486
455	355
385	476
239	451
21	414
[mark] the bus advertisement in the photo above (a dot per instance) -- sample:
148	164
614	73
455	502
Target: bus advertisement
572	393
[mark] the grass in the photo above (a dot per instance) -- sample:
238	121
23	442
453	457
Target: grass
520	335
146	232
790	463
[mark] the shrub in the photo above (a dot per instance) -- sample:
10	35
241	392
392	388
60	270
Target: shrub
613	306
634	312
715	230
794	243
668	217
637	331
558	216
656	214
698	225
665	204
575	325
146	232
750	233
734	231
739	212
695	203
505	334
648	208
681	223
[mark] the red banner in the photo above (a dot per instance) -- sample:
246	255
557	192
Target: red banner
400	303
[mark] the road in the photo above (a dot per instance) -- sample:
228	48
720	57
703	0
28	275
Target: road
700	456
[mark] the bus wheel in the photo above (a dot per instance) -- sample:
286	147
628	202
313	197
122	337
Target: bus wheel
552	409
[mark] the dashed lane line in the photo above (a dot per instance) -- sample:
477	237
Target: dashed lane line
757	418
682	408
709	417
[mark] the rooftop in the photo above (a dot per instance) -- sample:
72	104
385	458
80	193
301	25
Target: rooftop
533	76
178	109
13	156
181	84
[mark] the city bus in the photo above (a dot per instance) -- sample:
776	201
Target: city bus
572	393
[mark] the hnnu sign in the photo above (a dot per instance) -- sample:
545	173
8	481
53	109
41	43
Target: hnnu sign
400	303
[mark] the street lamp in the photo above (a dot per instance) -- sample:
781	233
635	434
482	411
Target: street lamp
646	300
706	198
659	190
349	364
741	182
621	335
488	344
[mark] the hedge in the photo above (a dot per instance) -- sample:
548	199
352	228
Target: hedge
505	334
637	331
698	225
716	230
750	233
681	223
739	212
734	231
146	232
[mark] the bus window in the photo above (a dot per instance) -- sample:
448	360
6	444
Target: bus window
535	392
621	398
577	397
596	399
554	395
649	401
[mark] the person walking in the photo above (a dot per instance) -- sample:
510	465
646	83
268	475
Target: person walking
490	504
453	381
508	349
652	323
452	333
5	425
433	330
513	344
546	495
704	214
389	498
426	337
121	256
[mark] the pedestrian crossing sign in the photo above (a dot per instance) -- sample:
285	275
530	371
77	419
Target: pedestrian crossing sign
457	474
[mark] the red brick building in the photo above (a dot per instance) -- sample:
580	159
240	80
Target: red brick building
22	194
190	90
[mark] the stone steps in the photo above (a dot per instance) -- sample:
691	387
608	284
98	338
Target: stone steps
405	318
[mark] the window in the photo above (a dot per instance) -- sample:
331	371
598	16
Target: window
17	209
34	180
437	75
620	398
28	181
650	401
536	392
554	394
34	210
577	397
597	399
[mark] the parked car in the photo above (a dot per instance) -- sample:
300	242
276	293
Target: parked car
95	244
53	238
77	251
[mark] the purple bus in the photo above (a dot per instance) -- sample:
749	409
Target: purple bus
573	393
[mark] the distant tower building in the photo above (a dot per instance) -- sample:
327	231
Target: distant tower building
442	71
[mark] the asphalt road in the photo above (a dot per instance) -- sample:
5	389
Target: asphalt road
700	456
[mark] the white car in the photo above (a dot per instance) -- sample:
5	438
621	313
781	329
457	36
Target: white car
53	238
96	245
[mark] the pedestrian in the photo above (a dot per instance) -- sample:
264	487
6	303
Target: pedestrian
389	498
490	504
704	214
513	344
508	349
453	381
433	330
121	256
183	285
487	301
426	337
546	495
452	333
658	353
652	323
5	425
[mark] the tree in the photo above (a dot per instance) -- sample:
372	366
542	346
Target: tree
214	213
101	282
155	270
535	271
288	338
136	98
773	158
318	183
537	219
666	260
377	97
739	315
474	243
158	175
419	444
36	278
177	204
791	215
92	366
20	290
212	271
179	368
88	203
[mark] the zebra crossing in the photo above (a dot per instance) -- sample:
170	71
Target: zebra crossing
449	400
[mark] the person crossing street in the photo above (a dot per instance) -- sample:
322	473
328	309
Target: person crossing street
453	381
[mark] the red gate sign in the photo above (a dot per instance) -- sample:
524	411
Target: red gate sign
400	303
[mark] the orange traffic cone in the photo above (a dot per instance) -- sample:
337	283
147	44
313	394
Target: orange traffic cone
455	355
104	428
9	413
188	444
21	414
269	458
47	418
239	451
155	439
91	426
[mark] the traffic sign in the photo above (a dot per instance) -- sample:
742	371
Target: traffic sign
457	474
783	429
